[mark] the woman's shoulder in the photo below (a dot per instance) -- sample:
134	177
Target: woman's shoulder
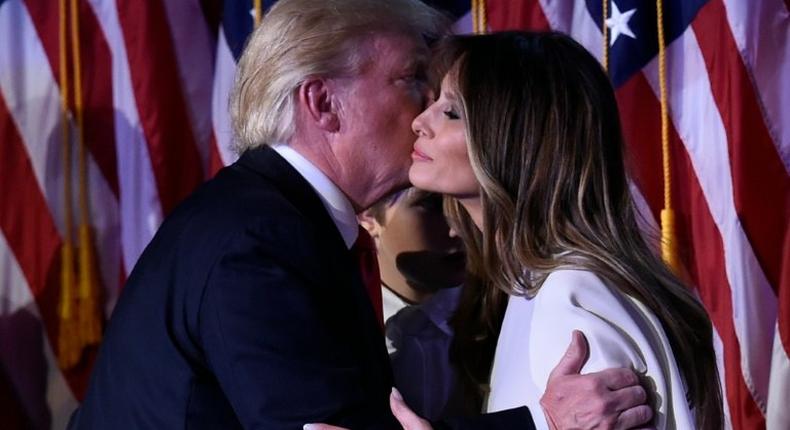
618	327
580	288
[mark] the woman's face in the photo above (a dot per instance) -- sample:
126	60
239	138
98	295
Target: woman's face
440	160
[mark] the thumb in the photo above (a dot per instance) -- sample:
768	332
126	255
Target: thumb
406	417
571	363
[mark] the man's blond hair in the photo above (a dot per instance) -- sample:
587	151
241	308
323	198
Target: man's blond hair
301	38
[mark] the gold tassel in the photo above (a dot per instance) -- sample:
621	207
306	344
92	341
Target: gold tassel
69	345
90	315
668	246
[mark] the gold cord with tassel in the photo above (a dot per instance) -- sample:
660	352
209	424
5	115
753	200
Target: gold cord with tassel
80	312
668	244
69	349
90	315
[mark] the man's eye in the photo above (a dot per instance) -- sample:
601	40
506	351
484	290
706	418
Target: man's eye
451	114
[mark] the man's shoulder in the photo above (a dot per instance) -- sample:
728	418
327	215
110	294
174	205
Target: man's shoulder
235	200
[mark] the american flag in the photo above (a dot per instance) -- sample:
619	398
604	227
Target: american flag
155	79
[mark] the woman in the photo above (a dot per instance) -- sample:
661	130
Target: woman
525	138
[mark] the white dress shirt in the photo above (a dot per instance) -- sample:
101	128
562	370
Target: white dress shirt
391	304
335	202
620	331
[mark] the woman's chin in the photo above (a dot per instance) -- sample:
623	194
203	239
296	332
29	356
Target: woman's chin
419	180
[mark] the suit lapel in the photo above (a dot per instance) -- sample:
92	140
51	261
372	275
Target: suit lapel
267	163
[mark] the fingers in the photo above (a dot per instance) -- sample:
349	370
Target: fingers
627	398
407	418
634	417
574	358
615	379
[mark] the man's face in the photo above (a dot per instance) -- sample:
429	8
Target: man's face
415	240
376	110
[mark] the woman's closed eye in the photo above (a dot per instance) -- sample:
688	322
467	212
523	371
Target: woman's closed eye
451	114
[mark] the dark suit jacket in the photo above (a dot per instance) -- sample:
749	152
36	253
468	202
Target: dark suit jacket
246	310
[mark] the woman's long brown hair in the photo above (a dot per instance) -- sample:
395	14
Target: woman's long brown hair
544	141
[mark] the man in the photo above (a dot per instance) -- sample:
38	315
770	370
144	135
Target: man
422	266
248	309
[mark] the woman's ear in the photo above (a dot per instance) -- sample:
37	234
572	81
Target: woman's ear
317	97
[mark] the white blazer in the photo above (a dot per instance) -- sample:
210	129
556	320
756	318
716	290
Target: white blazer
621	332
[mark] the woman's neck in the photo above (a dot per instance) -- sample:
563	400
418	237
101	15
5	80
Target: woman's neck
474	207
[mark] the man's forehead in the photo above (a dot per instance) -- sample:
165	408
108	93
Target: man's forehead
406	47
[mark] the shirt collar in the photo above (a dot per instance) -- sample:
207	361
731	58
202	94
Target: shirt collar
335	202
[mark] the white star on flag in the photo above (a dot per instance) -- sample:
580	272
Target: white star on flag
618	23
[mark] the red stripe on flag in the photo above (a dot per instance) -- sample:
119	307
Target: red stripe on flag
96	61
643	143
754	162
784	297
160	100
699	240
32	236
516	15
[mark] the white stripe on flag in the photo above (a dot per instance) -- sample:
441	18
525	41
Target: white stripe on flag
224	72
141	211
464	24
718	346
778	414
573	18
762	32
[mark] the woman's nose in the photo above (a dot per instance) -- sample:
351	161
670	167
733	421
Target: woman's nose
419	126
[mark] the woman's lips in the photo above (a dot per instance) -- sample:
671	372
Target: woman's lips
417	155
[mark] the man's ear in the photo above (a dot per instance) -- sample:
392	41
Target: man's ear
317	99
